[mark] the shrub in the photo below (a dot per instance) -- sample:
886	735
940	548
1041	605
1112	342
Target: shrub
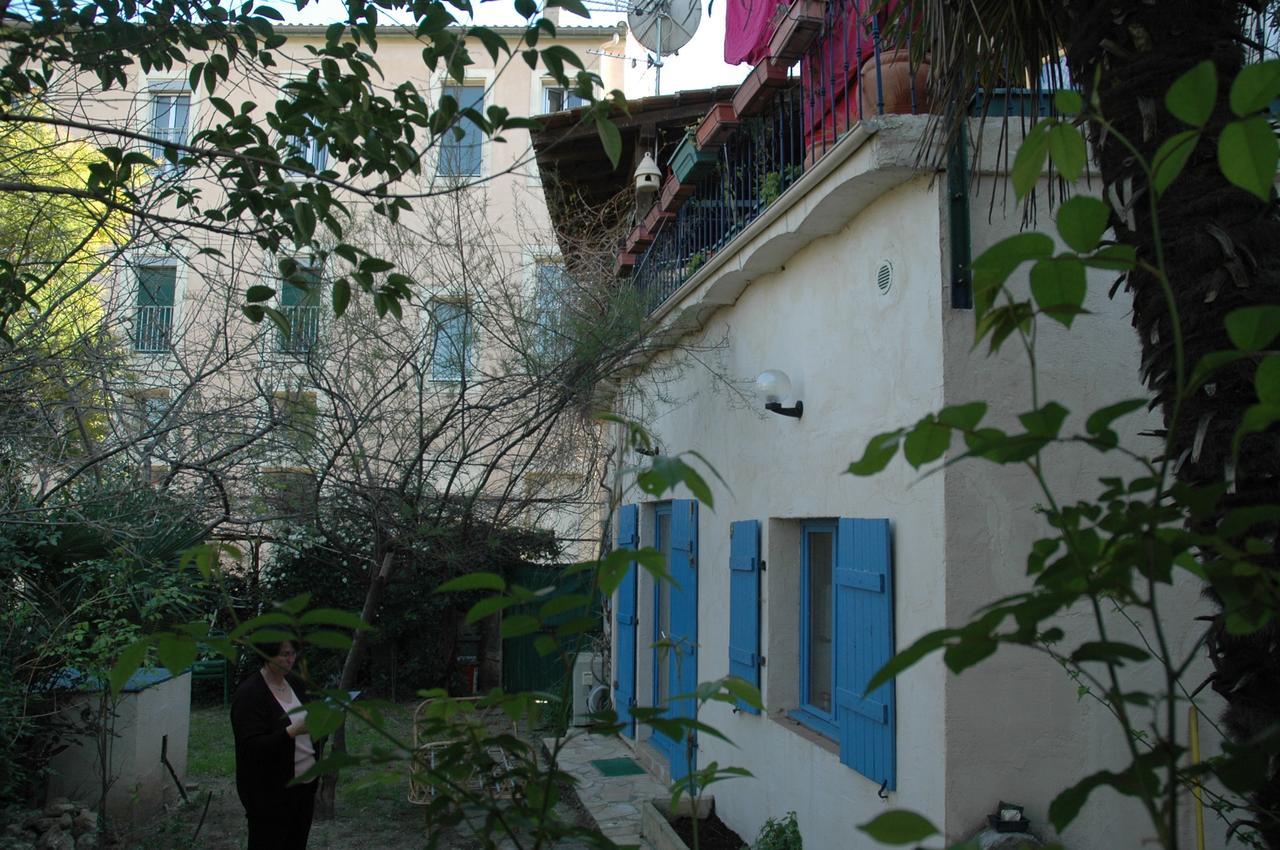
779	834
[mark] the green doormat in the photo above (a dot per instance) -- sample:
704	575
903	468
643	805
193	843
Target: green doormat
618	767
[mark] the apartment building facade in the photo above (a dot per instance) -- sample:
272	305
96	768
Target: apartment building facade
257	418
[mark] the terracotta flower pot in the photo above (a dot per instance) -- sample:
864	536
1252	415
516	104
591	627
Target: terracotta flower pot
655	218
797	28
717	126
639	239
673	194
626	263
897	82
755	92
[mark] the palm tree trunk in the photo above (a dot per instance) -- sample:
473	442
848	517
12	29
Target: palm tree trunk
1220	247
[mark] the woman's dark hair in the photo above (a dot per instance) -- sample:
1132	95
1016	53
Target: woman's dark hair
272	648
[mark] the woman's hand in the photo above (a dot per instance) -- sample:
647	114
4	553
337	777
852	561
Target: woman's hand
297	727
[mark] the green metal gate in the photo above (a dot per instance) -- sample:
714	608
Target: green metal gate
523	669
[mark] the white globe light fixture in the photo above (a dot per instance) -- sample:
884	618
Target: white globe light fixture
774	387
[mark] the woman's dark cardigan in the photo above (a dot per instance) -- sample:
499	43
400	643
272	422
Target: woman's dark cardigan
264	750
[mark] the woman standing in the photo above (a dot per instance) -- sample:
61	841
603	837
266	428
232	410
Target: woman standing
272	747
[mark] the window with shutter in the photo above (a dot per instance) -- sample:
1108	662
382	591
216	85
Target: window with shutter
676	628
300	296
744	603
153	321
818	638
624	684
845	596
864	630
453	341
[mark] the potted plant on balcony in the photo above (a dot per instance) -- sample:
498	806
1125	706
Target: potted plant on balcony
695	262
904	88
796	29
639	238
755	92
673	194
688	161
716	126
656	218
770	188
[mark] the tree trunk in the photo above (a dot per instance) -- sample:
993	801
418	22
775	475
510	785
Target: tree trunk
1220	252
326	795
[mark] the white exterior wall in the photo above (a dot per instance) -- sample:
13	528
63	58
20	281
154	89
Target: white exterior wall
141	784
798	293
1017	729
862	362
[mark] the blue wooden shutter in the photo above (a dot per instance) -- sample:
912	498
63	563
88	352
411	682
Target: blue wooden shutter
864	644
684	622
744	603
624	666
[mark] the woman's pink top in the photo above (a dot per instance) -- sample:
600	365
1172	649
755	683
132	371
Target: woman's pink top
304	751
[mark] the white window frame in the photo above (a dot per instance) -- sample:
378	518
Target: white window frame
477	77
432	331
315	150
166	87
549	85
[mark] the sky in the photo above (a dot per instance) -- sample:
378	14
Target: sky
699	64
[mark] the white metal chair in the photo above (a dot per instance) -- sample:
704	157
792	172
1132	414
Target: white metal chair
468	723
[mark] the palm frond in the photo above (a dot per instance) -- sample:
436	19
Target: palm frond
975	45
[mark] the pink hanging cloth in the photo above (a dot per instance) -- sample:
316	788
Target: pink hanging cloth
747	27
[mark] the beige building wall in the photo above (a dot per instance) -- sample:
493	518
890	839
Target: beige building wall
480	246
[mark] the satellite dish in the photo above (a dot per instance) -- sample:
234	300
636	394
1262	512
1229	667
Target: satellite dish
664	26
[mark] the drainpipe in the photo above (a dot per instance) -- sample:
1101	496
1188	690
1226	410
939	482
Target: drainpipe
961	238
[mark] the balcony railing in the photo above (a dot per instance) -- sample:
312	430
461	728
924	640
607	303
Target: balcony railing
846	74
758	163
304	329
152	328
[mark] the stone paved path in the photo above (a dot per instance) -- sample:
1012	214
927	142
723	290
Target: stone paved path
612	801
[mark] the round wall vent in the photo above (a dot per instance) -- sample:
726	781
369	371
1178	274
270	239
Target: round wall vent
884	277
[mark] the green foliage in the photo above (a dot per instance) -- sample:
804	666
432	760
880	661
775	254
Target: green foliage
779	834
436	547
84	578
53	244
899	827
696	260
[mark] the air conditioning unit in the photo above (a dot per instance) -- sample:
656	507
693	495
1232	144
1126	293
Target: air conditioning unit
590	688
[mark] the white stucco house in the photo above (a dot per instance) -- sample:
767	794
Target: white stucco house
803	579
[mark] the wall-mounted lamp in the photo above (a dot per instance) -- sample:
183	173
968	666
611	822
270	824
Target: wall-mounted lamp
775	387
648	175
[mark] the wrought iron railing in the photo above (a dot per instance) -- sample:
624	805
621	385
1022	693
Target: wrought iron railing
304	329
758	163
829	91
153	328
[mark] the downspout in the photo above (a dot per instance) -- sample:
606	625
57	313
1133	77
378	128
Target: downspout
961	238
